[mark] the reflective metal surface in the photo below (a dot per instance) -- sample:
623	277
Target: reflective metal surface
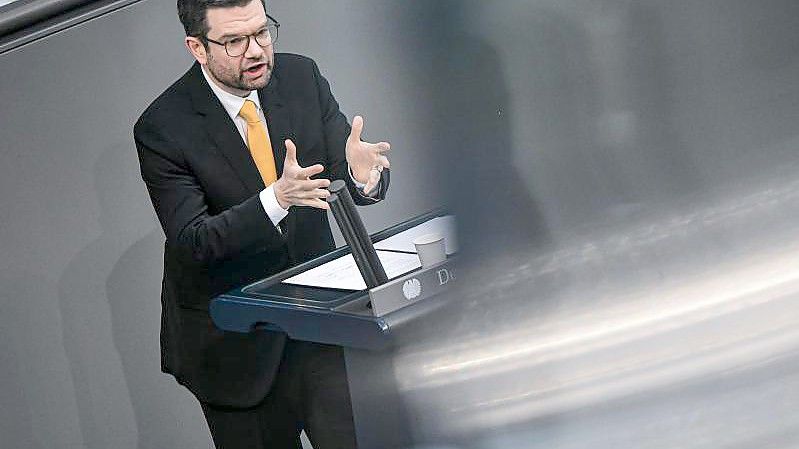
626	175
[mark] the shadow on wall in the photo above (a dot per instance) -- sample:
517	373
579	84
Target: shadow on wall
110	307
549	117
471	131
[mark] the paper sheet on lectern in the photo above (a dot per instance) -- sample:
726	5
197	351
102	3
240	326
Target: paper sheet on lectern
404	240
342	273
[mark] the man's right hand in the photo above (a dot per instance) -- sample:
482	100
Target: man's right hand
295	188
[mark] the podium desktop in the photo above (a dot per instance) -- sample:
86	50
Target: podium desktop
367	323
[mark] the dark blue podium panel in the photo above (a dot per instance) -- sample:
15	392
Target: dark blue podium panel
322	315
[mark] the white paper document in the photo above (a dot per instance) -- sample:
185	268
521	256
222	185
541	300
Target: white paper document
404	240
342	273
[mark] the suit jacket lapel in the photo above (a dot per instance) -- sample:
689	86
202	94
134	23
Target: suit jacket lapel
222	131
279	123
278	120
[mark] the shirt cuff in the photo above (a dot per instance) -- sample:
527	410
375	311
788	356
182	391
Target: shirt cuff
273	209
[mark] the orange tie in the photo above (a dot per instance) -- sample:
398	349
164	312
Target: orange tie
258	142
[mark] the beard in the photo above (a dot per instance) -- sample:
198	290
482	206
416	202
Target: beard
235	78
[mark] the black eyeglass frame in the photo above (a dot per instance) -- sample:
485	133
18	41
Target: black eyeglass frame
249	36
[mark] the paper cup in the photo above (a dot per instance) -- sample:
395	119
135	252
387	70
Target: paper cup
431	249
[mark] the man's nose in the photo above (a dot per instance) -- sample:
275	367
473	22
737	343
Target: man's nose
254	50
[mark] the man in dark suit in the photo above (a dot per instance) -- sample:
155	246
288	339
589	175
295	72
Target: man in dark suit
236	156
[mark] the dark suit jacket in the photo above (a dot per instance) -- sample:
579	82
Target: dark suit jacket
204	186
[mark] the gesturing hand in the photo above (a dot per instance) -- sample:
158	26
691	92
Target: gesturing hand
366	159
295	188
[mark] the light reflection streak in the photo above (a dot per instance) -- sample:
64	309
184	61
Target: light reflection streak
695	298
633	336
745	286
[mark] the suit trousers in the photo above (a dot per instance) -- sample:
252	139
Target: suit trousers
310	392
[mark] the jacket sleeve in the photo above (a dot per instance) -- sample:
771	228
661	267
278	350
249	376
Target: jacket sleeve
196	236
337	129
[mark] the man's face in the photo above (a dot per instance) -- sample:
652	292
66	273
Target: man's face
241	74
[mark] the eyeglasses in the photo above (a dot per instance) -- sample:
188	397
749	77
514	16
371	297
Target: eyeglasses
237	46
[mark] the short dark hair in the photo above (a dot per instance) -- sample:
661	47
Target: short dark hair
193	13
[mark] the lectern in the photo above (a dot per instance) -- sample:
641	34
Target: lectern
367	323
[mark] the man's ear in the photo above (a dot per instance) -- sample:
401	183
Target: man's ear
197	49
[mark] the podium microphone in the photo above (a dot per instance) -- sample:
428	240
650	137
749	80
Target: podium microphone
354	232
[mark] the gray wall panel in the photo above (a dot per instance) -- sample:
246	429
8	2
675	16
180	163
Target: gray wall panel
80	264
80	244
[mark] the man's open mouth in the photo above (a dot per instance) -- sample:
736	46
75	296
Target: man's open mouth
256	70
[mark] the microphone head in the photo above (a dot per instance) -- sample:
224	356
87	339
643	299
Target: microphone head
337	186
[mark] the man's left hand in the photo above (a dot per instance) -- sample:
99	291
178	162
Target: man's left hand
366	160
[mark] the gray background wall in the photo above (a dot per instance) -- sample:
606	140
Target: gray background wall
80	264
631	159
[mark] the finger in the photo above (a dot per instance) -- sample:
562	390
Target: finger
291	152
379	147
307	172
316	183
319	204
374	179
383	162
315	194
357	128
